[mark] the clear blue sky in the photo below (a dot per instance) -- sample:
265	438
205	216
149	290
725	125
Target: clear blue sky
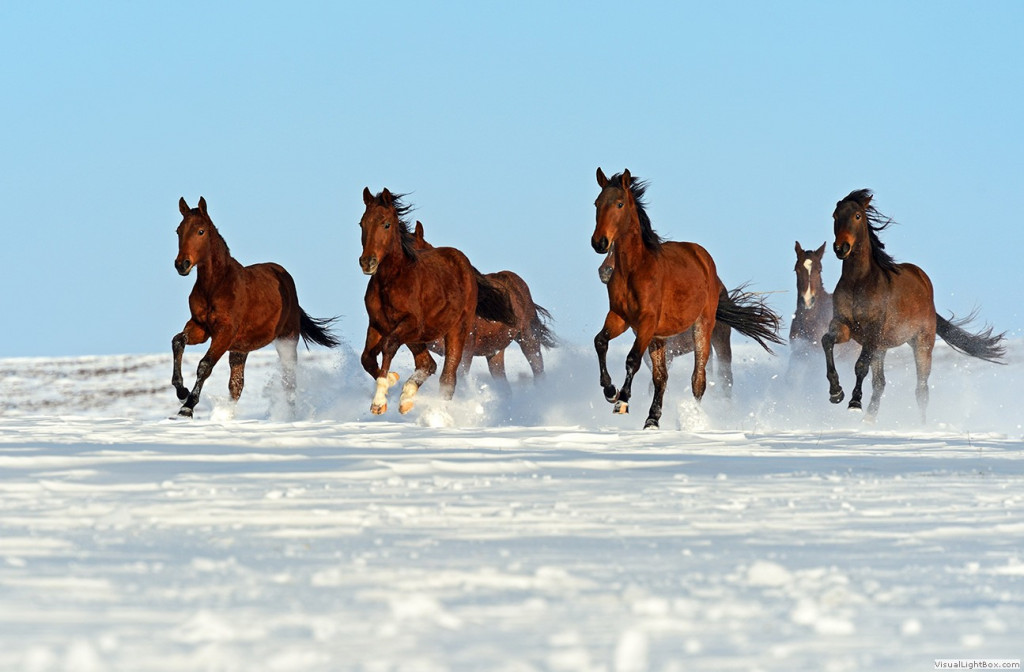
750	120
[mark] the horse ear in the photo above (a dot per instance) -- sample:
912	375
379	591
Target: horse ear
627	183
418	232
183	207
799	248
820	252
367	196
386	196
602	181
202	206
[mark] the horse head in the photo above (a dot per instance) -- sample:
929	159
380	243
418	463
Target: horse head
385	232
195	232
808	274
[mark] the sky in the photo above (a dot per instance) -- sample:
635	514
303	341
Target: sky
749	120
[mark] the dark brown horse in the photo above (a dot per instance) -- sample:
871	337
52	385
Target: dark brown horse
683	343
239	308
489	339
660	289
813	302
881	304
415	297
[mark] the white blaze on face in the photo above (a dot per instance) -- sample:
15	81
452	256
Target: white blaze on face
808	294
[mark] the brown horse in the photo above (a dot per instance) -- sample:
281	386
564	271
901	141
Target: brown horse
489	339
240	308
659	289
813	303
881	304
683	343
415	297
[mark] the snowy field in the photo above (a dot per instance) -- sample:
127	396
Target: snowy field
524	532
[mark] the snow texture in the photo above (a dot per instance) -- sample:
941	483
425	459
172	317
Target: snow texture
517	532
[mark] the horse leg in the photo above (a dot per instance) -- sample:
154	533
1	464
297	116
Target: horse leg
613	327
644	335
860	369
192	334
838	332
454	345
236	381
722	344
923	360
659	370
288	352
702	332
425	367
530	346
385	378
877	383
217	349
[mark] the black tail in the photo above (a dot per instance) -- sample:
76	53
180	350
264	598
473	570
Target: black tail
540	326
748	314
493	302
316	330
983	345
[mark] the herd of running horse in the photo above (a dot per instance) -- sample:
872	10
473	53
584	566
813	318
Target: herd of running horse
432	299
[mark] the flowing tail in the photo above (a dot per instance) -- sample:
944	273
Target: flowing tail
540	326
316	330
747	313
983	345
493	302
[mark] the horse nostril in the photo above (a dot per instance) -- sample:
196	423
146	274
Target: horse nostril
601	245
841	250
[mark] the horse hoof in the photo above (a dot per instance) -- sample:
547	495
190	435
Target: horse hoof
611	394
651	424
836	397
855	405
185	412
405	407
378	410
621	407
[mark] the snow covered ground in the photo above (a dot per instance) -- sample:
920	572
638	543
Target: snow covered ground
516	533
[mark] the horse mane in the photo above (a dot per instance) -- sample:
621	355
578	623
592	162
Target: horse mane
402	210
638	187
876	222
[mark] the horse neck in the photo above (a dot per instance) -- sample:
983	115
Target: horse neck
630	251
859	263
219	264
394	263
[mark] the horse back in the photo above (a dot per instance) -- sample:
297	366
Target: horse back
490	336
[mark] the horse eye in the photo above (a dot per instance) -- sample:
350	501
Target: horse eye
387	225
857	216
202	231
620	204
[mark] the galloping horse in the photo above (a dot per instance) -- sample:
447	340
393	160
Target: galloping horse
415	297
489	339
683	343
659	289
881	304
240	308
813	303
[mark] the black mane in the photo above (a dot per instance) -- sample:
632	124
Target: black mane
402	210
652	241
876	222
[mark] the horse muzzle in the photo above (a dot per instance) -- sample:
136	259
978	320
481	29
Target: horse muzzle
369	265
842	250
183	266
600	245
